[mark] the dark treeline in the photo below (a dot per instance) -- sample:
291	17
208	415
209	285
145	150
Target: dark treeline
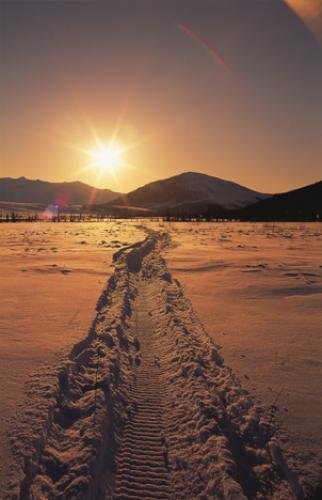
176	216
19	217
232	216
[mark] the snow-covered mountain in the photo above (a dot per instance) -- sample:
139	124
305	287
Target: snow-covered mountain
190	187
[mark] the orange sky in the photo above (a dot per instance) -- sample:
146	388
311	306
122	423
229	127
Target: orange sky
73	71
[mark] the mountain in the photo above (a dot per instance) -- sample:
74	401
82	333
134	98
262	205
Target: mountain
24	190
299	204
189	189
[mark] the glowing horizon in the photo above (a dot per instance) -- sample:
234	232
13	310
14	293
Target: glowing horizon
89	75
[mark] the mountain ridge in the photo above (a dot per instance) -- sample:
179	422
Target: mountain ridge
297	204
186	194
24	190
189	187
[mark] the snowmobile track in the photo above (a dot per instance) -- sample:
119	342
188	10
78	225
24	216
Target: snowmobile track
146	407
141	468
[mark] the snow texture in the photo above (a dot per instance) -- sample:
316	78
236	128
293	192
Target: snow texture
144	406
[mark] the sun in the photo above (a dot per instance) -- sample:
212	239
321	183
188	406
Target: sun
107	157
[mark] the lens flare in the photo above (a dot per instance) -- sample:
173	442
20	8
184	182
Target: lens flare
310	13
308	10
203	43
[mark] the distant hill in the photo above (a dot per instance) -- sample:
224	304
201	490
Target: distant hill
190	189
24	190
184	195
299	204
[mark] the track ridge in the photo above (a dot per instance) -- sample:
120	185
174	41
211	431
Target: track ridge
141	461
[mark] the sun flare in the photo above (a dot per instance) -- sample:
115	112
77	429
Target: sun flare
107	157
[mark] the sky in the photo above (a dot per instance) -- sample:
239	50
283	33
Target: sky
231	88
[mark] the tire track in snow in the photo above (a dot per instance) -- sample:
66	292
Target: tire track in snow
145	406
141	463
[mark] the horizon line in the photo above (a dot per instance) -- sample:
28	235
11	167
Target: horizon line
157	180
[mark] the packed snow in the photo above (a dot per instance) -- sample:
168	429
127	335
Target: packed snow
197	375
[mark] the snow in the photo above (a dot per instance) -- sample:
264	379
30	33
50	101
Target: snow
257	288
51	277
192	187
224	193
144	405
219	395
